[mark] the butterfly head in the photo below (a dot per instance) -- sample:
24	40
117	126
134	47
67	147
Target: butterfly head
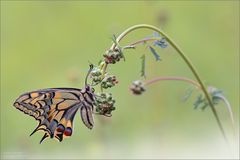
88	93
89	89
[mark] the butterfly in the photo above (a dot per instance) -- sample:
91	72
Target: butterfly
55	109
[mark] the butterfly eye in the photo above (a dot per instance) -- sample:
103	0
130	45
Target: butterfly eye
68	131
60	128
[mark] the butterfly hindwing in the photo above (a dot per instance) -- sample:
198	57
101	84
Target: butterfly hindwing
87	116
55	110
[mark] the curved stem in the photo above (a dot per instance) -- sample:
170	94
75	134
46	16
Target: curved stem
229	108
173	79
190	81
183	56
143	41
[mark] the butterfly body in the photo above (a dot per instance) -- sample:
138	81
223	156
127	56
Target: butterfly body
55	109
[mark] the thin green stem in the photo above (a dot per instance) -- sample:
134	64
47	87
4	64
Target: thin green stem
183	56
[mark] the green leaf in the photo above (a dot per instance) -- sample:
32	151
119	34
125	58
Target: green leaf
121	53
188	94
204	106
156	55
100	61
143	74
200	101
156	34
114	39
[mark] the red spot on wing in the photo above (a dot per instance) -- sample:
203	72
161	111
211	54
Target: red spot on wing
68	132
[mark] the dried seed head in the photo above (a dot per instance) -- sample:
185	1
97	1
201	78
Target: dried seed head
109	81
113	56
137	87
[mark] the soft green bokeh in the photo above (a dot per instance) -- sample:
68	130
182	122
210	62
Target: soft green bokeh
50	44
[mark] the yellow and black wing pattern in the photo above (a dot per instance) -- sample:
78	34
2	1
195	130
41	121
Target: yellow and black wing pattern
55	109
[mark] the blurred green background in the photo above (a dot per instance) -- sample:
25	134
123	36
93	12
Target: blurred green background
50	44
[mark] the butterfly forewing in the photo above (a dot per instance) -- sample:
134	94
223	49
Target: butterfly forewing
55	110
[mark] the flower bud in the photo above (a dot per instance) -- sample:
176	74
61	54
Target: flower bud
108	82
113	56
137	87
104	104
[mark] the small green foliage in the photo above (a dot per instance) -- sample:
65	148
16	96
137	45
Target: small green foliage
200	102
114	39
100	62
188	94
119	49
216	96
143	64
156	34
162	43
104	104
156	55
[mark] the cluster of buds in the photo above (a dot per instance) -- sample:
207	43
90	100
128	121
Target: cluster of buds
104	104
137	87
113	56
96	76
109	81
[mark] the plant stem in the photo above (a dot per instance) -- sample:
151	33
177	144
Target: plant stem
183	56
229	108
187	80
143	41
173	79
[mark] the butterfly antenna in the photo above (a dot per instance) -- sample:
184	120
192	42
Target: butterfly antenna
89	71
